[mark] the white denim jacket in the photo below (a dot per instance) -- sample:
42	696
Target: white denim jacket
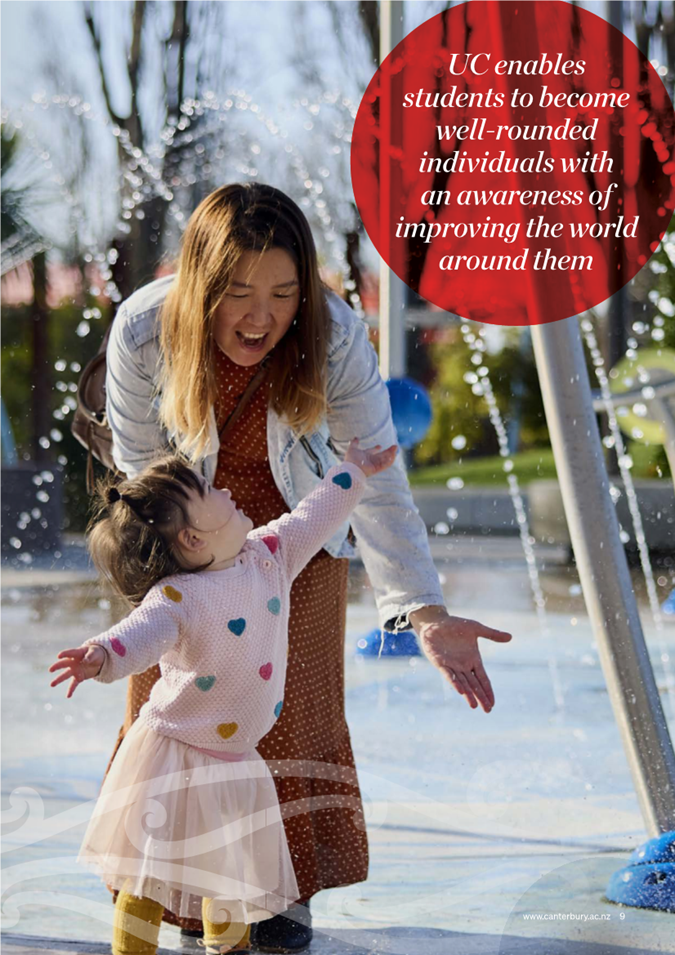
390	534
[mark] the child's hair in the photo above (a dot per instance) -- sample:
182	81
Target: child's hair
132	545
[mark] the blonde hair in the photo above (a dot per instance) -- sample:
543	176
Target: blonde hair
238	218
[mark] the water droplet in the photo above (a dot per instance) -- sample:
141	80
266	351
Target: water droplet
665	306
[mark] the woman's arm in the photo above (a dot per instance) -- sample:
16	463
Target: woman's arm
132	415
392	537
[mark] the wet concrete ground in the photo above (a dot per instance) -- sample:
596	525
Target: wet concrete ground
489	833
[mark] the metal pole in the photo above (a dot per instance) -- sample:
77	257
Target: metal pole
603	571
615	329
392	289
592	520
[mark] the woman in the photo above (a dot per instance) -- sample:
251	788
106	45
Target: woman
247	307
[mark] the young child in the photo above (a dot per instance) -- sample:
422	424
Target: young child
188	817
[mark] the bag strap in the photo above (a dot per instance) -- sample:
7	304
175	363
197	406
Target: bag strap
252	386
94	366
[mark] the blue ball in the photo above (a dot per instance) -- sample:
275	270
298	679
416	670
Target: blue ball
410	410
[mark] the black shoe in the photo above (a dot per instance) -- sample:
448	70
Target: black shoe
188	941
286	933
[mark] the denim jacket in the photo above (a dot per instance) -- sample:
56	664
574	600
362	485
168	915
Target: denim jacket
390	534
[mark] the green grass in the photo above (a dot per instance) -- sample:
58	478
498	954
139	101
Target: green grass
528	465
534	465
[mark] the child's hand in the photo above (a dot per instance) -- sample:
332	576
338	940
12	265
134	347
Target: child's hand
371	461
81	663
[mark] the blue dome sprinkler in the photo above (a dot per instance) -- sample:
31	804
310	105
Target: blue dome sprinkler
410	410
648	881
401	644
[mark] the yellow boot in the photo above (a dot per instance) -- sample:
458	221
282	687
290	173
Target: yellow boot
136	924
222	937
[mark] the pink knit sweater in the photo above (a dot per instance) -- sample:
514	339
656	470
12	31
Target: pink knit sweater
221	637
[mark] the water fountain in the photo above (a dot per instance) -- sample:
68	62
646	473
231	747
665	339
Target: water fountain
142	179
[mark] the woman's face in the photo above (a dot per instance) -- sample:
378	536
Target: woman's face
262	299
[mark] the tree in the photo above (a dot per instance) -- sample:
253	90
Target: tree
179	46
23	192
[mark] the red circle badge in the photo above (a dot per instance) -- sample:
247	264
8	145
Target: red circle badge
513	162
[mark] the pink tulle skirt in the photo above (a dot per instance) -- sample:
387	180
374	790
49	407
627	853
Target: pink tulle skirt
185	826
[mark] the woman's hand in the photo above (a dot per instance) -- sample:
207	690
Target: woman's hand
369	461
80	663
451	644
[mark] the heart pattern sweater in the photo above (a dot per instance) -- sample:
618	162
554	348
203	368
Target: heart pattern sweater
221	637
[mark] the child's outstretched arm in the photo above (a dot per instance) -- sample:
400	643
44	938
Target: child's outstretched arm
80	663
132	645
304	531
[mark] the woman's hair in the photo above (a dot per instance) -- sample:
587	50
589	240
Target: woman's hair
238	218
135	524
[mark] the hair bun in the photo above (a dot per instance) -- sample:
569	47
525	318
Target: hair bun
113	495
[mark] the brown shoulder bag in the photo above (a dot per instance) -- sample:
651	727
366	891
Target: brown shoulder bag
90	421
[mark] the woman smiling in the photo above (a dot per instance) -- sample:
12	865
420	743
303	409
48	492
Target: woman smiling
267	419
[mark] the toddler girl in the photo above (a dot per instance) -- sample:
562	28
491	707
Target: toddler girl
188	818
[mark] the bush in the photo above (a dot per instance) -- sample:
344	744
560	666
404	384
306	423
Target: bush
459	411
67	346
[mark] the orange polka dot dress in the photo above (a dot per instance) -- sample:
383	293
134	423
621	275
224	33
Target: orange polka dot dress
320	799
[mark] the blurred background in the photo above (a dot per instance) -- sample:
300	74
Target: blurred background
117	119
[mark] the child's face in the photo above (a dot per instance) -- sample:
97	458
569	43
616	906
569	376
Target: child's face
219	529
